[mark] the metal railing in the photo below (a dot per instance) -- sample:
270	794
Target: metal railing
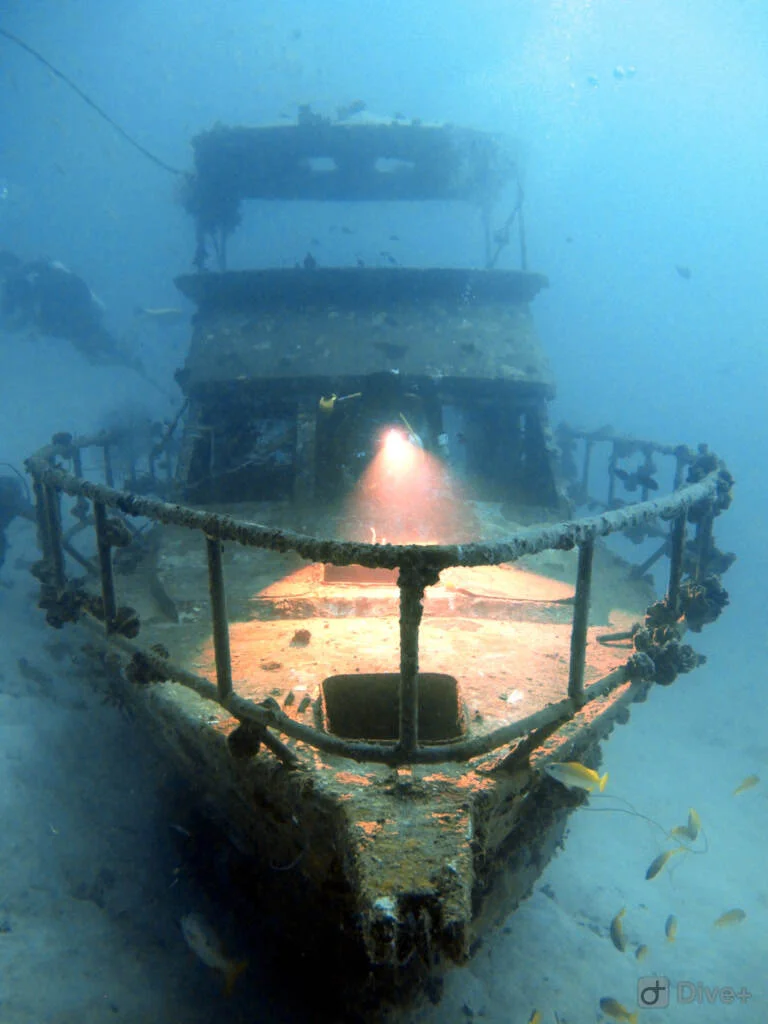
704	496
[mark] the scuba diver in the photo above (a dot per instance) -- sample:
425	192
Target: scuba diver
47	297
13	502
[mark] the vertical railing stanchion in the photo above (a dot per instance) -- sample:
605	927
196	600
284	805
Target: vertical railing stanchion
41	516
580	622
584	496
219	618
612	463
104	549
412	583
677	551
53	530
109	475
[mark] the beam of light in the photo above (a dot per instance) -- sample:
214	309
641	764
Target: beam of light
407	496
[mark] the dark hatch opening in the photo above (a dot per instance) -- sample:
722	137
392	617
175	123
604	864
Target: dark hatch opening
364	706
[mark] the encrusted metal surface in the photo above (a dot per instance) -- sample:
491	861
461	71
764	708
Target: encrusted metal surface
292	325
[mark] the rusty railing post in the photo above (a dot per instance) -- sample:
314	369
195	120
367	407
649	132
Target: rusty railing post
412	582
588	446
580	622
219	618
41	517
676	553
104	549
52	515
612	462
109	475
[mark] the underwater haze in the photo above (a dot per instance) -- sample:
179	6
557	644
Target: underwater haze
642	127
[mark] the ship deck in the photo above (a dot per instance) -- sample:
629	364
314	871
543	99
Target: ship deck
502	632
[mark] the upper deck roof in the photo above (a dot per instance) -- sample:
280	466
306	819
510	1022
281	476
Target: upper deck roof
318	159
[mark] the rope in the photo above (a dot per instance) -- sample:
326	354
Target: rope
94	106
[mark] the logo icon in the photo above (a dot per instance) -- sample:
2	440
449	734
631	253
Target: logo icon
653	993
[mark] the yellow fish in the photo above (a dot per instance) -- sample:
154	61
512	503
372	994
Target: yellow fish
745	784
205	944
641	953
536	1017
657	864
617	931
690	830
735	916
612	1008
576	776
670	928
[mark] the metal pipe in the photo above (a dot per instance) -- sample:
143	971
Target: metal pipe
271	716
611	475
105	565
528	541
677	551
580	622
53	530
585	471
43	539
411	583
109	475
219	618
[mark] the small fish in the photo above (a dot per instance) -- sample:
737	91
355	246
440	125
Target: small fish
536	1017
689	831
684	272
641	953
617	931
205	944
576	776
670	928
745	784
657	864
730	917
162	316
613	1008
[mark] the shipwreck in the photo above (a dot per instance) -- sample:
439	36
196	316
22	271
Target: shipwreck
361	590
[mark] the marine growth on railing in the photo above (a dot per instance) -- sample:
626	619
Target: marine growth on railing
694	594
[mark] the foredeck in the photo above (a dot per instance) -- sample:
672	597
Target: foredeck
503	632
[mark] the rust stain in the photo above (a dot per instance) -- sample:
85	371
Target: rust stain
370	828
350	779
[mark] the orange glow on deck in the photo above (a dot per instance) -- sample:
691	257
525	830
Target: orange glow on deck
408	496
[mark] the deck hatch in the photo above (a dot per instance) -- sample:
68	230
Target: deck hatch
364	706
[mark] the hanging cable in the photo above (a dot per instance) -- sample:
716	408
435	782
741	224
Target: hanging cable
94	106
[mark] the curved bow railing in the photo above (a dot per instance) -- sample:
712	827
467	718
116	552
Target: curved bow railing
658	652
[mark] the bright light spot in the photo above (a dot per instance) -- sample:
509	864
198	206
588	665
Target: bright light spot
397	451
406	496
